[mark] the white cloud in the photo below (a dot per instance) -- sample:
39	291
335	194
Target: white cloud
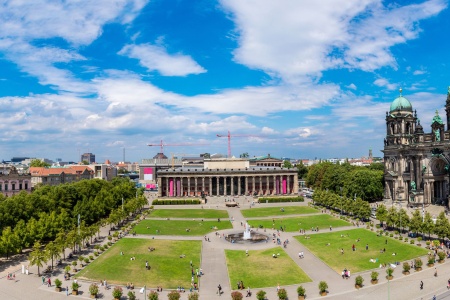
322	34
268	131
383	82
156	58
419	72
302	132
352	86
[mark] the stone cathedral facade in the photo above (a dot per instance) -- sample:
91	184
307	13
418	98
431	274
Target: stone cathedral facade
417	160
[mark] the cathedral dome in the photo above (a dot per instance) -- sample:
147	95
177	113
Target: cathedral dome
401	103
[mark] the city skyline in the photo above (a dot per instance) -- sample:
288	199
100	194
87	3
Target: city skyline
298	79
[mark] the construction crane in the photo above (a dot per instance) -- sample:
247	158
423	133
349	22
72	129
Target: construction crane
234	135
162	145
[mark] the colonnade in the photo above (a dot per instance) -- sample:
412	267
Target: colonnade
228	185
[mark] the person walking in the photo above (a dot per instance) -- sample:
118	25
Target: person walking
49	282
219	290
67	290
421	285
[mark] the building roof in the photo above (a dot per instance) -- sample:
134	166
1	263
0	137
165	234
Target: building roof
401	103
42	171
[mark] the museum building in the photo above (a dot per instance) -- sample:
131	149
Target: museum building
228	177
417	163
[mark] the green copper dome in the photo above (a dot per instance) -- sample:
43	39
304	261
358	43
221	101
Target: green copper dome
401	103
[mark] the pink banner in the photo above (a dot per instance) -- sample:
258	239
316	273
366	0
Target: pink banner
171	187
284	185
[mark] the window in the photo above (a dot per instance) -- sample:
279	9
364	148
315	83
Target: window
26	185
13	186
20	186
6	186
1	186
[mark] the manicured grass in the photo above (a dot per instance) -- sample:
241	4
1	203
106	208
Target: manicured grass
296	223
260	269
178	227
167	268
189	213
358	260
276	211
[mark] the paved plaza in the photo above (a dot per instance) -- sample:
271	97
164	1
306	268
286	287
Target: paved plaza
214	267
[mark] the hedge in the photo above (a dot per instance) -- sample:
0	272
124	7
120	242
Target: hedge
280	199
176	202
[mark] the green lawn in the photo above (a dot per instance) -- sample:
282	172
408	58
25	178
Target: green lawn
189	213
167	268
260	269
358	260
178	227
276	211
296	223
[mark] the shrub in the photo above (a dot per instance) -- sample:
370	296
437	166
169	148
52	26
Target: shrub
427	243
86	260
261	295
406	239
193	296
91	257
430	259
389	272
67	269
153	296
436	243
359	280
301	291
418	263
323	286
174	295
109	243
412	242
400	238
406	267
441	255
93	289
236	295
391	234
95	253
117	292
58	283
374	275
282	294
419	238
102	248
105	246
131	295
74	264
109	239
75	286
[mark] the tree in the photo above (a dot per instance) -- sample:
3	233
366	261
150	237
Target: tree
392	217
382	213
287	164
53	251
39	163
442	227
9	243
302	170
415	224
428	224
403	219
38	256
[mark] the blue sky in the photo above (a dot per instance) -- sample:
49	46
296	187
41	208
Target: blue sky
301	79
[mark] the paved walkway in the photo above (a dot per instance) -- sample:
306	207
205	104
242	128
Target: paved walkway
214	266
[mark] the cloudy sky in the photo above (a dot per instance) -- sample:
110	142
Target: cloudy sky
293	78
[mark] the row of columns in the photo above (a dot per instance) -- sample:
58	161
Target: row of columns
281	184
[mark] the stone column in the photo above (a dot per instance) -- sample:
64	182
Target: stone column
295	185
260	185
160	183
232	185
203	184
188	186
210	189
195	186
167	186
274	185
218	180
267	186
253	188
239	185
246	185
289	190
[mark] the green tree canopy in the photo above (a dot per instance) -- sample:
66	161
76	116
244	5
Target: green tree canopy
39	163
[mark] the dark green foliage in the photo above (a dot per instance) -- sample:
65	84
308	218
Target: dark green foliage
280	199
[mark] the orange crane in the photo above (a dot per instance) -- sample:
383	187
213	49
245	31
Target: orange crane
234	135
162	145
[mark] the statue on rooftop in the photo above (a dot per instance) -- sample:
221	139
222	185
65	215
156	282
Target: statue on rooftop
438	135
413	185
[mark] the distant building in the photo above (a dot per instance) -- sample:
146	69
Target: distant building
56	176
103	171
12	182
89	157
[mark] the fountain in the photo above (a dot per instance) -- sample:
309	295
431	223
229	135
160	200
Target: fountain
247	236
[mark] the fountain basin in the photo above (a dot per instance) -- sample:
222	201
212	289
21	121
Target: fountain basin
238	238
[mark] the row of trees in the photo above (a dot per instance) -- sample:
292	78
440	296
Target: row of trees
355	207
51	212
347	180
417	223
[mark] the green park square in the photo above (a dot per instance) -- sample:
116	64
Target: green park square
260	269
180	227
167	268
188	213
359	260
322	221
277	211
